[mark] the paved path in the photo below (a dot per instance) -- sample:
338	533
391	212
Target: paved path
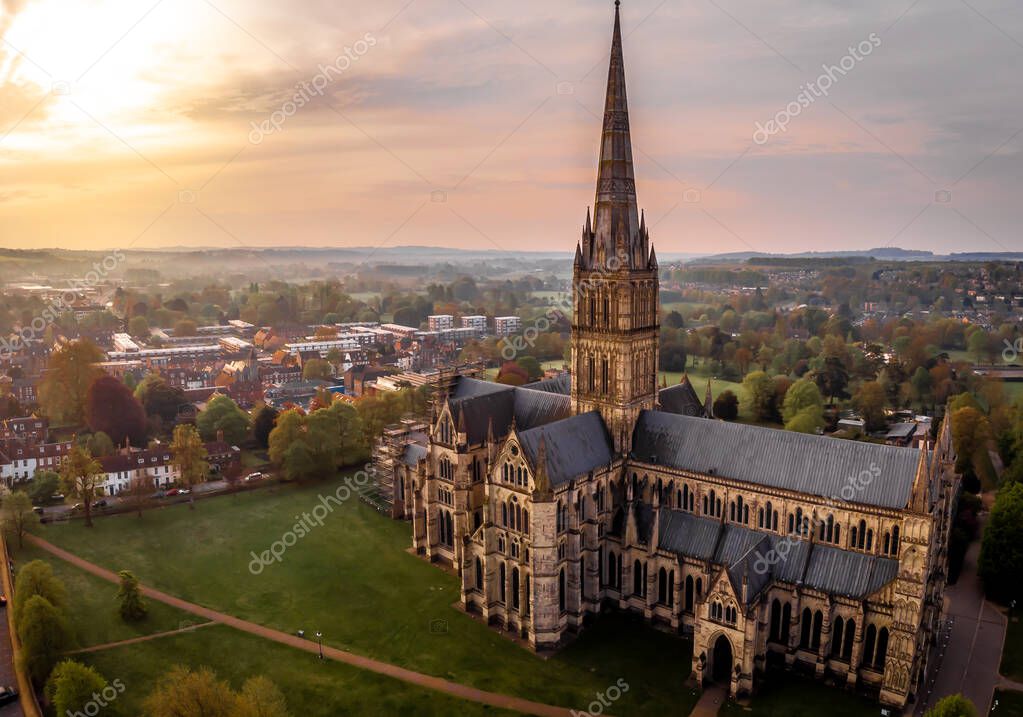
710	701
969	662
144	638
454	689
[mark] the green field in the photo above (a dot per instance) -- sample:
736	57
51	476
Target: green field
354	580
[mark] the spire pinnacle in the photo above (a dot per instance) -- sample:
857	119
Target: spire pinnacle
615	215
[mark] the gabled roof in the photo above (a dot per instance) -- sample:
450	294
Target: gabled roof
478	404
681	399
876	474
561	384
763	557
574	446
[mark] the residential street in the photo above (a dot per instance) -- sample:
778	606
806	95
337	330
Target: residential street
969	662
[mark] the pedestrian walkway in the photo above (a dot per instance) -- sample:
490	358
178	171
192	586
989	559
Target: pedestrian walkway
144	638
454	689
710	701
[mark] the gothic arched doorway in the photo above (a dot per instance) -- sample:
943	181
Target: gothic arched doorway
721	661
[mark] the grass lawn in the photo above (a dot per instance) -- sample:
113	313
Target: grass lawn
1012	652
1010	703
786	695
92	605
353	580
311	688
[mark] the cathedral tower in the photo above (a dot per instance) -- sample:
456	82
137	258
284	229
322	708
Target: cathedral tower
616	317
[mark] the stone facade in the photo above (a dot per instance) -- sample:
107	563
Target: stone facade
555	503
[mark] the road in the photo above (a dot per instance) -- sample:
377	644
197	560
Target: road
975	632
53	512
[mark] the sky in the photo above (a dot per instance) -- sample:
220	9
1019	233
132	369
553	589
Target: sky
475	123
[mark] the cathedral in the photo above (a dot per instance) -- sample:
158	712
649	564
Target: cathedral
560	500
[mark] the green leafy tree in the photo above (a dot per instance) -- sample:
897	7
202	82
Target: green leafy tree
159	398
223	414
531	366
72	686
1001	550
803	396
37	578
870	402
138	326
317	370
971	436
80	477
69	373
44	484
100	444
353	447
726	406
189	455
129	596
18	515
288	431
832	378
182	691
45	636
952	706
760	392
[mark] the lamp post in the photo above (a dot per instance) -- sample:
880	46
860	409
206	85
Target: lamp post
319	642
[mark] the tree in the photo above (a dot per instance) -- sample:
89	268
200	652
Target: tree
759	391
159	398
190	457
1000	565
353	447
263	424
182	691
971	435
223	414
185	327
952	706
138	326
80	476
45	636
18	515
803	408
870	401
288	430
532	367
69	373
726	406
129	595
260	698
512	374
832	378
37	578
72	686
674	320
317	370
922	384
111	407
136	497
44	484
100	444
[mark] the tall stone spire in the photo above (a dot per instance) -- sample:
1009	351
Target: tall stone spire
616	221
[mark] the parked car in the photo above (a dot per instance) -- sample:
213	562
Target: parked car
3	600
253	477
57	497
184	491
38	510
8	695
76	507
101	503
173	492
159	494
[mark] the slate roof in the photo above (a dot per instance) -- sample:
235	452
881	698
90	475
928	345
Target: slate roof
681	399
744	551
414	452
561	384
481	402
816	465
574	446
